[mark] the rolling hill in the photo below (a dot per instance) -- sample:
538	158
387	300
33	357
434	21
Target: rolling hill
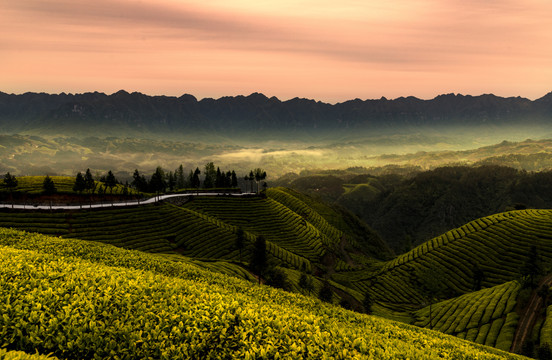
77	299
205	228
468	282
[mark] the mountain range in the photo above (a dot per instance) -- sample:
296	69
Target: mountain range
257	113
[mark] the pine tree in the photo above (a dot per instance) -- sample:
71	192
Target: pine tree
195	179
89	181
219	179
432	284
48	186
228	179
157	181
259	175
171	181
11	183
210	176
110	181
251	178
80	184
246	178
180	181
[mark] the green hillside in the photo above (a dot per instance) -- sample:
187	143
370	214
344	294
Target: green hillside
299	239
85	300
486	316
498	245
306	236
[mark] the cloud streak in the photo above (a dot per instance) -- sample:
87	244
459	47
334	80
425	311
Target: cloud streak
399	45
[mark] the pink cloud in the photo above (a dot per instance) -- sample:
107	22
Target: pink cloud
322	49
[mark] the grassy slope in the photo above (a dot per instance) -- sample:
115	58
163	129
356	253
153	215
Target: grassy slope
359	235
499	245
178	310
486	316
205	229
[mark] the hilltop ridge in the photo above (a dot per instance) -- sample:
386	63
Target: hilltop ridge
257	112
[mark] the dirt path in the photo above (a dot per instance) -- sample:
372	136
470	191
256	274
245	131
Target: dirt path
528	318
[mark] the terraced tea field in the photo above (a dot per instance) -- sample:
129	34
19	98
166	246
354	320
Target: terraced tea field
204	230
144	306
486	316
498	245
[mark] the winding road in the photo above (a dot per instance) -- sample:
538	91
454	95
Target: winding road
117	203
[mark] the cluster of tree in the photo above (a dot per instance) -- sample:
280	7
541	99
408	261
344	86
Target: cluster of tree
256	175
86	182
11	182
161	181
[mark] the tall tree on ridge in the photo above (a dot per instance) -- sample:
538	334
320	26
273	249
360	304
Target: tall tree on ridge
139	182
171	181
326	293
180	181
157	181
219	180
80	184
259	174
48	186
110	181
210	176
195	179
89	181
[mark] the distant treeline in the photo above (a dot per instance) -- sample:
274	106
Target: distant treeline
160	181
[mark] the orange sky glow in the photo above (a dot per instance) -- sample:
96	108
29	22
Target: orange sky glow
325	50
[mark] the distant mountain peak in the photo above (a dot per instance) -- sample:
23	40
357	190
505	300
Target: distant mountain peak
255	112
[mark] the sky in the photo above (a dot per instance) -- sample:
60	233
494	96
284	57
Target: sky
329	51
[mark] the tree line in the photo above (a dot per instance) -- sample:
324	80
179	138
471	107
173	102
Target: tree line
160	181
